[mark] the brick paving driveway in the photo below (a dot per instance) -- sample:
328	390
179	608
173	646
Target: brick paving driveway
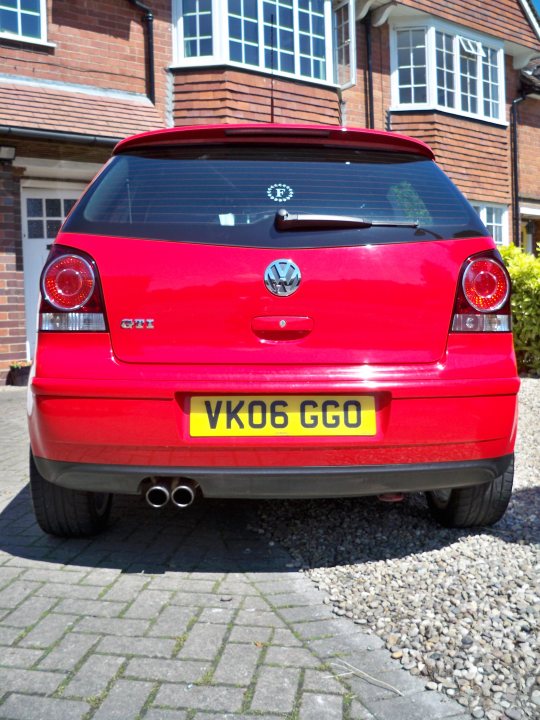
174	615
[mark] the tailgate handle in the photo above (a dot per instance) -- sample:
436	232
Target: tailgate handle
278	328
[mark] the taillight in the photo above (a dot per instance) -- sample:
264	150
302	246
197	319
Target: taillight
483	296
71	294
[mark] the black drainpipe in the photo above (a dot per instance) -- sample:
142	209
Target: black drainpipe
369	57
148	17
515	169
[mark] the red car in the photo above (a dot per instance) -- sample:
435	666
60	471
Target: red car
272	311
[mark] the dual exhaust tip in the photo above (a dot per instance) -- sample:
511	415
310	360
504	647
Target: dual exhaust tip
180	492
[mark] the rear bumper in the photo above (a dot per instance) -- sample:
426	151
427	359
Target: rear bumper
109	425
285	482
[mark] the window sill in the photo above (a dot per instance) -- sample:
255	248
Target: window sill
229	64
20	39
404	109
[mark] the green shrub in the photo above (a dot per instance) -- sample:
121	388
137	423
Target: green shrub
524	270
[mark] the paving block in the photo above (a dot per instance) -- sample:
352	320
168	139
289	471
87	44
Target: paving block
29	612
17	591
237	664
250	634
276	690
48	631
415	707
91	608
113	626
124	701
285	637
18	657
32	707
318	706
322	681
185	671
207	600
146	646
59	590
148	604
258	617
30	681
219	699
94	676
218	615
69	652
203	641
169	715
126	588
172	622
291	657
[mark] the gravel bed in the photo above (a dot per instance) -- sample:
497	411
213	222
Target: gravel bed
459	608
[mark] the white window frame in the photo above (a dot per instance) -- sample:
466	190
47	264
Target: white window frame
42	39
463	40
482	209
220	39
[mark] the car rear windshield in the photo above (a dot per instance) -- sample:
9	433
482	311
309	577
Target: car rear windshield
231	195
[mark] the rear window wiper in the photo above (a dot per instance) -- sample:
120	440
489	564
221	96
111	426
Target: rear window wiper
291	221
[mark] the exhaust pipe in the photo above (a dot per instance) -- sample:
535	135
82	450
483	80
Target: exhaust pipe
157	496
183	494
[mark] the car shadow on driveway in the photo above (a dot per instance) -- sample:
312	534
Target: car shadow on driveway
253	536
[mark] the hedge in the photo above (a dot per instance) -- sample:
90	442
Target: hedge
524	270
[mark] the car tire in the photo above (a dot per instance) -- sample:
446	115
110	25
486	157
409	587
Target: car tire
478	505
67	513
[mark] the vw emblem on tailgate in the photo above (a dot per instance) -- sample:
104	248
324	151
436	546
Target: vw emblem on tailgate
282	277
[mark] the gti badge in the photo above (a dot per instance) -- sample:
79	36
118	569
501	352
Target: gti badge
137	324
282	277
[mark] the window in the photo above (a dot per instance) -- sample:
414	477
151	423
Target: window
435	67
495	218
230	195
23	19
309	39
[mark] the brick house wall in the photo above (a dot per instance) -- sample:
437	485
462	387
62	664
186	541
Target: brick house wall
12	316
505	19
227	95
529	144
98	43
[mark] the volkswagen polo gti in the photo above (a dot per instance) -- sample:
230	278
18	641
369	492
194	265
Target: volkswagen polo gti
272	311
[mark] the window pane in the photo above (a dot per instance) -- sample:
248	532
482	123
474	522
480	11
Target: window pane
252	55
53	208
53	226
469	81
205	47
490	84
405	95
9	22
235	28
34	207
68	204
35	229
29	5
205	25
251	33
343	50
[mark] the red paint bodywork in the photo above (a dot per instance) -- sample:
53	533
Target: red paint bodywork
366	320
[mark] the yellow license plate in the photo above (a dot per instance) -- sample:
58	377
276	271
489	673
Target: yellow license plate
286	415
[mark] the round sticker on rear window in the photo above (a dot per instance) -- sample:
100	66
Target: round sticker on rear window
279	192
